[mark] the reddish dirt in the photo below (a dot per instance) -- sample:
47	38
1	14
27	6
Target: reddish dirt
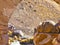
4	19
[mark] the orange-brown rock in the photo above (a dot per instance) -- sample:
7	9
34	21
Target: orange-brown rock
42	35
57	1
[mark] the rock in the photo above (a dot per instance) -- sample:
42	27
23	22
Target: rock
29	13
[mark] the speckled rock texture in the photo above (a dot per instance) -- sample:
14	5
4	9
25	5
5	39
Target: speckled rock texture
29	13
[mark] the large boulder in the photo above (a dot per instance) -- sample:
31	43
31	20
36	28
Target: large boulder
29	13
